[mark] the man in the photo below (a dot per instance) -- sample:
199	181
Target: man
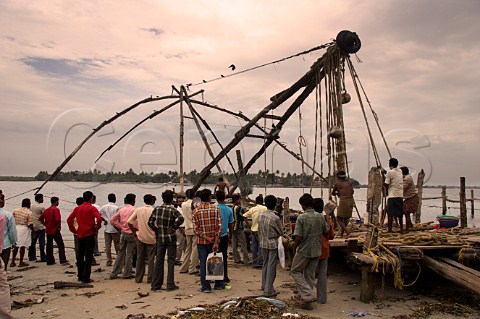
180	233
190	259
270	228
96	252
343	188
38	231
5	303
227	230
10	233
238	235
88	221
111	234
146	240
24	223
394	189
207	223
323	261
410	197
254	213
127	239
52	220
165	220
221	185
308	232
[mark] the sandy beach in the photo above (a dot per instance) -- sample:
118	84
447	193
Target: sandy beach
119	298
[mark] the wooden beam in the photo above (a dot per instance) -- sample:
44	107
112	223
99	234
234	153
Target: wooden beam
454	274
367	285
472	200
444	200
272	117
418	213
463	204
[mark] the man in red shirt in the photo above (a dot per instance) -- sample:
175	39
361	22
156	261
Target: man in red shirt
89	221
52	220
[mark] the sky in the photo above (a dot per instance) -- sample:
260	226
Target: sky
65	67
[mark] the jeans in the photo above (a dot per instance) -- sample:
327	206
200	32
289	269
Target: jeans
145	252
158	269
203	251
223	247
109	237
239	239
57	237
269	269
322	281
85	257
125	256
256	253
303	273
32	250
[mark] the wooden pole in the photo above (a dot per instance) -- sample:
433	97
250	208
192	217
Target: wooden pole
473	203
182	128
418	213
463	204
444	200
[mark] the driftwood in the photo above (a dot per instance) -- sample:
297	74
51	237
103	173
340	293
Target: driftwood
67	284
454	272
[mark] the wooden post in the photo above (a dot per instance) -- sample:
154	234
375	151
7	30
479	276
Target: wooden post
473	203
367	286
444	200
374	195
418	213
463	204
242	180
182	128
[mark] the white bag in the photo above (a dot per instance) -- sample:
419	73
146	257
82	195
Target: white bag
281	252
214	266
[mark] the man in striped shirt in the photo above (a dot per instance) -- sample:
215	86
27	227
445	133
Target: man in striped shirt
165	220
207	225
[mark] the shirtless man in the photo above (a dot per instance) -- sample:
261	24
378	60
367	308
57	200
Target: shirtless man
221	185
343	188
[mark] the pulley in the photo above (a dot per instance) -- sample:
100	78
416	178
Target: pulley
345	97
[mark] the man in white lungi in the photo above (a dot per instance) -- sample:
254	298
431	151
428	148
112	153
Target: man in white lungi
24	222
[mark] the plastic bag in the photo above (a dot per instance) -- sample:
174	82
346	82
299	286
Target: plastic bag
214	266
281	252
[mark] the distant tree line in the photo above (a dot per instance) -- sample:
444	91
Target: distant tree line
260	178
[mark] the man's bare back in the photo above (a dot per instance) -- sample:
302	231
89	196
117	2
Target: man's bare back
343	187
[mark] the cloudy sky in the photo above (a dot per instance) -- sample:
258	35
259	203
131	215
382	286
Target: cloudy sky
67	66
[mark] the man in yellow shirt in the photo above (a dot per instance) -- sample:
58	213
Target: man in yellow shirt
254	212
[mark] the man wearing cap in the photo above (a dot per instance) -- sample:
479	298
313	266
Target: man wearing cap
343	188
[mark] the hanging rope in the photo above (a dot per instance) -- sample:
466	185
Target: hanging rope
301	143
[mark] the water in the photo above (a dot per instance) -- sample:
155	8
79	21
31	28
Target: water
69	191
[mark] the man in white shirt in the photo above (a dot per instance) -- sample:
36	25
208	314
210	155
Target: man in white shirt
38	233
190	259
111	233
394	188
146	239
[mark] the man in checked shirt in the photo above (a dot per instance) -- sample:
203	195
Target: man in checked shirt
207	225
165	220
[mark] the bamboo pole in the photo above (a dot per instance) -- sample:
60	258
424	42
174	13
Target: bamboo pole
181	137
444	200
418	213
463	204
473	203
242	181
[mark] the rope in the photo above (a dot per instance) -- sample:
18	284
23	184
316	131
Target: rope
301	143
221	77
418	276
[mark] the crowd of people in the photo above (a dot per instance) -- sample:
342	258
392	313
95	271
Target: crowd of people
185	229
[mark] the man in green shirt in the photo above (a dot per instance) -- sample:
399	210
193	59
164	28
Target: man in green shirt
308	241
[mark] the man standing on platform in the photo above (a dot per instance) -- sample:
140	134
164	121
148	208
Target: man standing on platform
52	220
111	234
308	241
207	223
89	222
254	213
270	228
394	189
190	259
343	188
38	232
127	239
165	220
146	240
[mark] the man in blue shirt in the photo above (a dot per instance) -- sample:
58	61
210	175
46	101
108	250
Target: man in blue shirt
9	234
227	228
